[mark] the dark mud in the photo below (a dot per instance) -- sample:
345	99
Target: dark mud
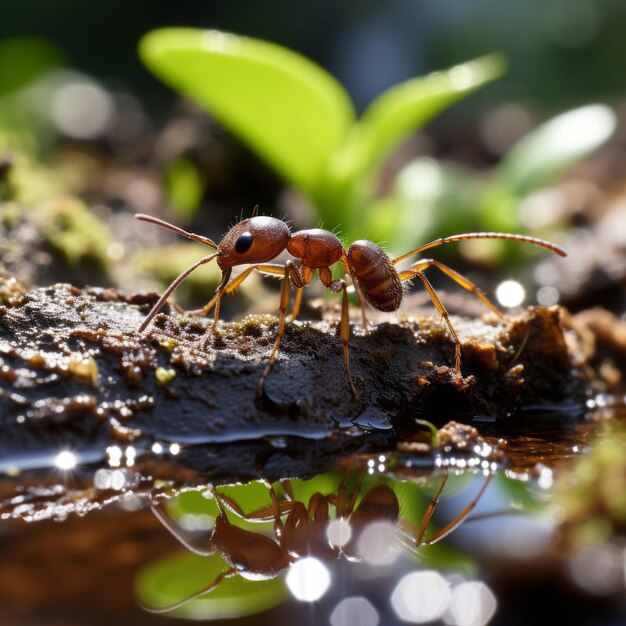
77	377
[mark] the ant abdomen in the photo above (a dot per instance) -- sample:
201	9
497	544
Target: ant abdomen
377	277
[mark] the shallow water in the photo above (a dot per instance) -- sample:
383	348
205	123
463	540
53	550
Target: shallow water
518	547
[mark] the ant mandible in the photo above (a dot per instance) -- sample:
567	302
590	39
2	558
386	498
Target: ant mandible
257	240
304	531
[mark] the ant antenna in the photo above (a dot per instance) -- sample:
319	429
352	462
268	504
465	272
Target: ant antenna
155	220
177	605
524	238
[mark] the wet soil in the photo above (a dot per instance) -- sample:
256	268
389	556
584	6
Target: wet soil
77	376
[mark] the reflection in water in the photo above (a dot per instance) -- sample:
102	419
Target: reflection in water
65	460
308	579
362	518
421	596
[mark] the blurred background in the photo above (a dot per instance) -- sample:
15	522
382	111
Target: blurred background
75	96
89	137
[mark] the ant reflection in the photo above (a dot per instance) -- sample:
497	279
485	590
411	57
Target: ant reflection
302	530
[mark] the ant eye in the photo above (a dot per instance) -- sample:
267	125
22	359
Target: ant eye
243	243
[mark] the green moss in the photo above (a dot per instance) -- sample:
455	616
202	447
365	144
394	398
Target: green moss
33	193
164	376
74	231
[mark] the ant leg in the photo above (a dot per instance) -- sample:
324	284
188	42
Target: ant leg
359	293
428	513
277	270
218	298
442	311
448	528
345	338
168	292
355	491
336	286
342	507
175	531
232	285
287	487
274	511
284	304
297	302
467	284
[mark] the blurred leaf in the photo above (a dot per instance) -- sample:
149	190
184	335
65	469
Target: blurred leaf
170	580
24	60
541	156
184	187
286	108
546	152
407	107
430	198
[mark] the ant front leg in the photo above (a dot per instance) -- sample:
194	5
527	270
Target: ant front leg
284	304
175	531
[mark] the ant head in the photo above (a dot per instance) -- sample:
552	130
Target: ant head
255	240
252	554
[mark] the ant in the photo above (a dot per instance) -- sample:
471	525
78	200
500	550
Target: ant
303	532
257	240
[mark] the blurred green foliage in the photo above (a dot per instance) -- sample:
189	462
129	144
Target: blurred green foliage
299	119
164	582
590	499
448	197
302	123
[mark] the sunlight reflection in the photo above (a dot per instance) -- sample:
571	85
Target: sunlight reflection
472	603
354	611
82	110
376	545
65	460
308	579
339	532
510	293
598	570
111	479
547	296
420	597
115	456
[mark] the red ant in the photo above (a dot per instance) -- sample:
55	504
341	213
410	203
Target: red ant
257	240
303	532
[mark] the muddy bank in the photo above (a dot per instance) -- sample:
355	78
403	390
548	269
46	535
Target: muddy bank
77	375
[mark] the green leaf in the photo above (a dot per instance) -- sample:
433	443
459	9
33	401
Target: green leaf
24	60
167	581
407	107
546	152
283	106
